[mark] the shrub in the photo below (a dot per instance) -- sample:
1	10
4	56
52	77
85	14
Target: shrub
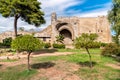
103	44
7	42
60	46
1	45
47	45
111	49
59	38
27	43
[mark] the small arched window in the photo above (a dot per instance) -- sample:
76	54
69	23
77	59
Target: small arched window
98	30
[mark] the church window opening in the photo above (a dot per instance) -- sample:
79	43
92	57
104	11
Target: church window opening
98	31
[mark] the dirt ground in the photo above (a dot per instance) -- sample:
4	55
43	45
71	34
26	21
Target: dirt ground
60	71
115	66
55	70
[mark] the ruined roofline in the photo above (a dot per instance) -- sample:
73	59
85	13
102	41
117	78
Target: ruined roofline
6	32
49	26
63	17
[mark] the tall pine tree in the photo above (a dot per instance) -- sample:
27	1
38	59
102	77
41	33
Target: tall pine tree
27	10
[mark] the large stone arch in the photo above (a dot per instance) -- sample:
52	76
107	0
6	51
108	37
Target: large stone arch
65	26
67	31
67	36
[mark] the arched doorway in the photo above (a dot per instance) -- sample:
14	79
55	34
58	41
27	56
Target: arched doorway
67	36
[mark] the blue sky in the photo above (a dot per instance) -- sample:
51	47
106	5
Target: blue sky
80	8
89	5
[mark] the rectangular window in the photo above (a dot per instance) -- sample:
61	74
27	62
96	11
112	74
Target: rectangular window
44	39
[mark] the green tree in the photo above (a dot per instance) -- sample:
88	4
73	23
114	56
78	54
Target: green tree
27	10
21	29
60	38
84	41
27	43
114	19
7	42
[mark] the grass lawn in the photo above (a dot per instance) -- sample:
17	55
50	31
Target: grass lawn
100	70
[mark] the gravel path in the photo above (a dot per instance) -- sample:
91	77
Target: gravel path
36	55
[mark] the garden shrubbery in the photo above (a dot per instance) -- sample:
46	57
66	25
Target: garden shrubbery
1	44
111	49
60	46
7	42
103	44
47	45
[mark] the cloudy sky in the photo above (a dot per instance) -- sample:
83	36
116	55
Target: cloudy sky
80	8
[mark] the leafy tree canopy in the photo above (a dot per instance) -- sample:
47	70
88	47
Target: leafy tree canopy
27	10
60	38
114	18
27	43
85	40
21	29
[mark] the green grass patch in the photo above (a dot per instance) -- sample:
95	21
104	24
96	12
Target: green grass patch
69	50
17	73
8	60
99	71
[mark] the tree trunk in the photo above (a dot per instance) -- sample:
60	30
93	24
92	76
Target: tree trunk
117	39
15	24
89	57
29	60
17	54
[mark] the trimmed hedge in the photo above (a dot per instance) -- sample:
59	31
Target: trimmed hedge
1	44
111	49
47	45
59	46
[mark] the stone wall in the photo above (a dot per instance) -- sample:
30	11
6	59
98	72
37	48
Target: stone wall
79	25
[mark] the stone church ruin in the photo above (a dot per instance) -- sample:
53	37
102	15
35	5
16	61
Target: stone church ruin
72	27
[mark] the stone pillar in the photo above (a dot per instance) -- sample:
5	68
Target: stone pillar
53	24
53	18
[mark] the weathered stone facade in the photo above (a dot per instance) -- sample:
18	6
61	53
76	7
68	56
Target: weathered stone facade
72	27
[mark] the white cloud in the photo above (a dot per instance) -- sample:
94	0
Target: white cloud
58	6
